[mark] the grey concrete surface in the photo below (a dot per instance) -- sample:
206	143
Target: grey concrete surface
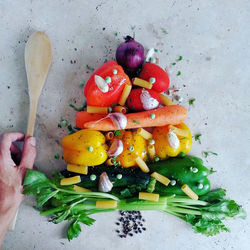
213	36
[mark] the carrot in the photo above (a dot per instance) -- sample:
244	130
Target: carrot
173	114
83	117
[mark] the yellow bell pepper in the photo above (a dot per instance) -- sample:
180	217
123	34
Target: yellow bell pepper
85	147
134	145
162	146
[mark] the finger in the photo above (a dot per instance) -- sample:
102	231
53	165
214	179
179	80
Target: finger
6	141
29	153
16	153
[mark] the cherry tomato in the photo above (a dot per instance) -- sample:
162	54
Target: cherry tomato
156	75
113	75
143	99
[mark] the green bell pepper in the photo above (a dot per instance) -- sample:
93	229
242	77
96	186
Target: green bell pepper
182	170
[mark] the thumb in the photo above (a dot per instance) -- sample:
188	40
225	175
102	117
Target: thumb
29	153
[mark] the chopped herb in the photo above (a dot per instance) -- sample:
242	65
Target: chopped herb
113	104
191	101
197	138
78	109
156	50
115	33
117	133
206	154
81	84
134	121
89	68
71	130
174	63
57	156
131	148
164	31
179	59
90	149
183	138
63	123
178	73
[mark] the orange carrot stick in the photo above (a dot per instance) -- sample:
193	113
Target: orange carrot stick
83	117
173	114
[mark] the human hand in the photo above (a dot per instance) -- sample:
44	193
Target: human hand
13	166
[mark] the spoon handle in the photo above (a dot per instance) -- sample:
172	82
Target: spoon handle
32	117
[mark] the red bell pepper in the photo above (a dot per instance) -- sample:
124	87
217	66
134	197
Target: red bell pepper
115	79
156	75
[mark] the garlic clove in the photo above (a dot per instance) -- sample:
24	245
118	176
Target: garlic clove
173	140
101	84
105	184
116	148
119	120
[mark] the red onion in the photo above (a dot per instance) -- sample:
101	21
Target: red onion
130	55
116	148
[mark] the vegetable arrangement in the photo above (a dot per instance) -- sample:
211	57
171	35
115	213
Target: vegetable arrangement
130	154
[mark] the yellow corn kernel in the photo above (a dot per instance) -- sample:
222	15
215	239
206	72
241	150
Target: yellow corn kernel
148	196
125	94
81	189
106	204
179	131
142	83
165	100
77	169
189	192
161	178
71	180
97	110
142	165
144	133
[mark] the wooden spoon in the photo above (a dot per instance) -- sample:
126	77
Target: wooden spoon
38	54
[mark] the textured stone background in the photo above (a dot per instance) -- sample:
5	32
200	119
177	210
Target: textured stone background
213	36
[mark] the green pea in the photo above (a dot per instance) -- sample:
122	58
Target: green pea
119	176
152	80
108	79
92	177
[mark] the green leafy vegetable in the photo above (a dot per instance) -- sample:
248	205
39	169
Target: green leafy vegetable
191	101
178	73
63	203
